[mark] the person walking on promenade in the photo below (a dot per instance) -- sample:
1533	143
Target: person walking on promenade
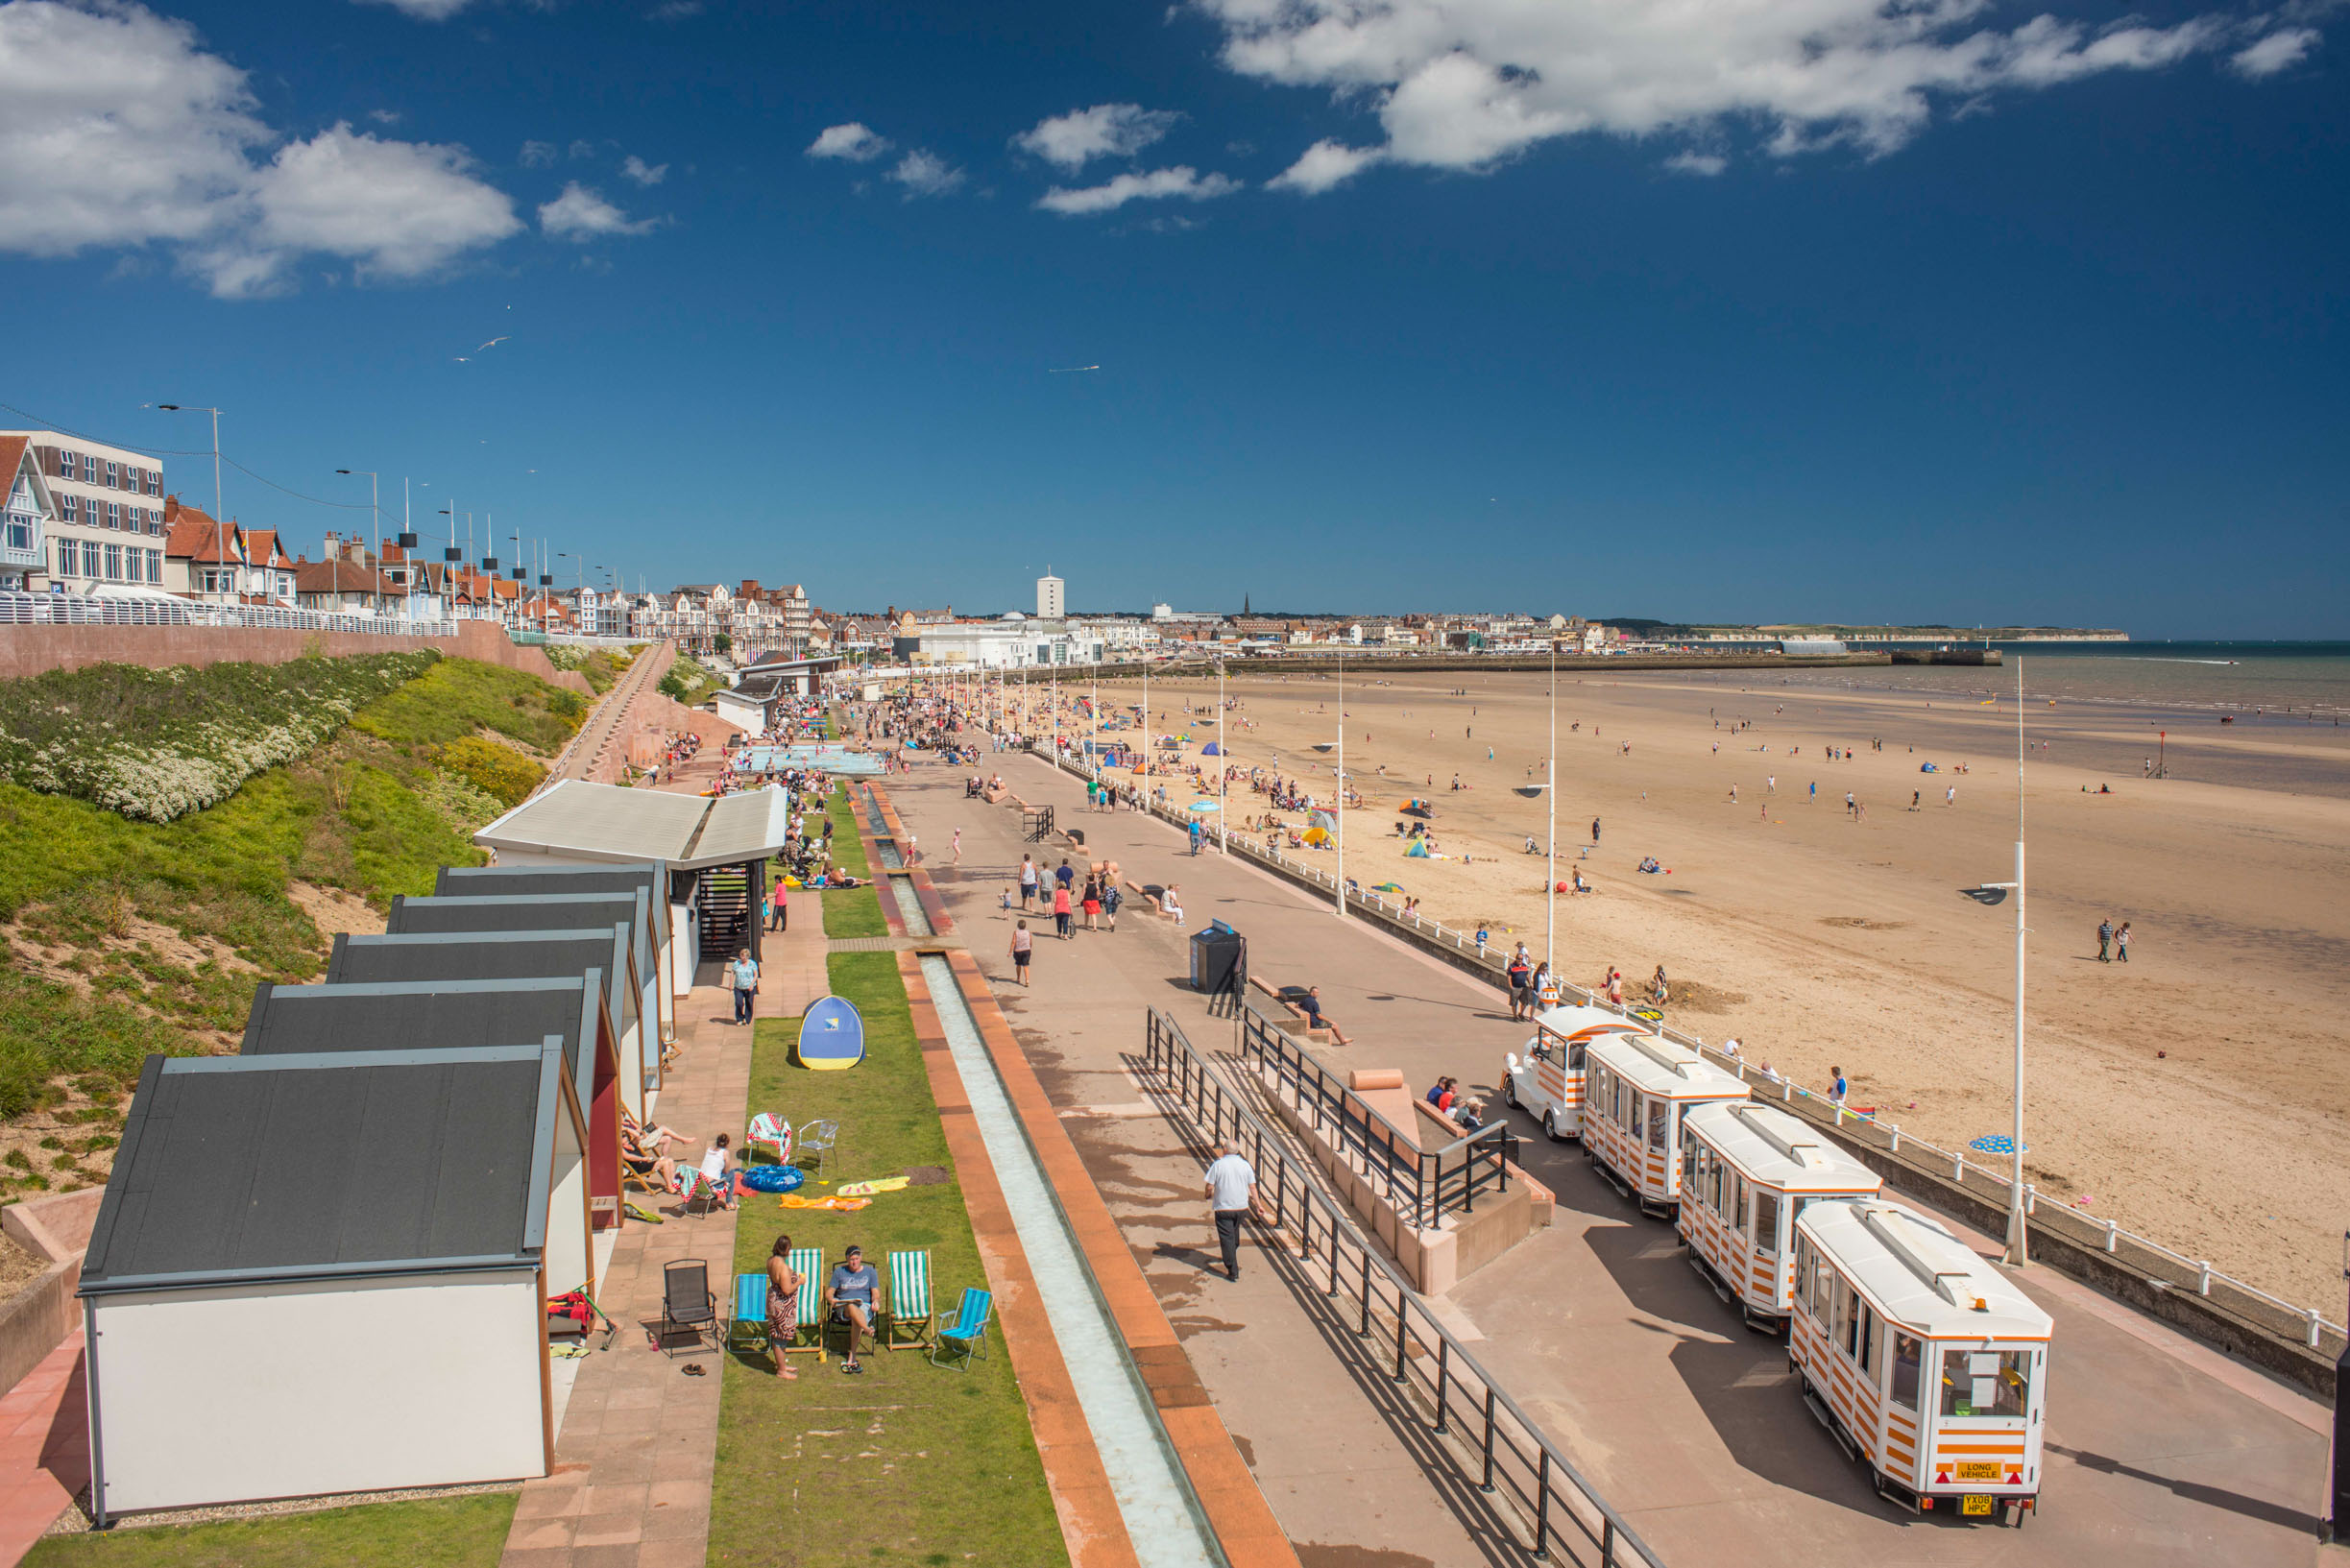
1231	1192
1060	910
779	907
1196	836
2105	940
1521	981
1093	902
744	973
1022	950
1027	880
2121	944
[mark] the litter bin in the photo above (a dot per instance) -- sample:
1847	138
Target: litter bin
1219	960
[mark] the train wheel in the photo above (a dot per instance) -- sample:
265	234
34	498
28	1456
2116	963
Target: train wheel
1550	1127
1509	1090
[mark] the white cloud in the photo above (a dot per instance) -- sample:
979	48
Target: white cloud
425	10
1103	131
851	141
675	11
926	174
1157	185
1708	164
643	174
581	214
1324	165
1461	84
385	116
538	154
118	131
2278	51
582	149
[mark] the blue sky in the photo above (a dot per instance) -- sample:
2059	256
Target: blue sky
1824	310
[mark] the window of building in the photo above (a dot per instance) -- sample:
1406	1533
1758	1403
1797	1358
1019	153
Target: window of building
113	475
20	530
69	507
154	481
114	514
93	559
113	563
89	469
154	566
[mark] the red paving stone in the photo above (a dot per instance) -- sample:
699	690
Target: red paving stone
44	1448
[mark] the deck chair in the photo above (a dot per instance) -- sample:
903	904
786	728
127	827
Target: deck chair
700	1189
968	1333
686	1302
808	1261
816	1138
770	1132
909	1302
747	1330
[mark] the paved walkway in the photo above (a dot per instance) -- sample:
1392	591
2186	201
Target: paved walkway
639	1444
2160	1451
44	1448
601	748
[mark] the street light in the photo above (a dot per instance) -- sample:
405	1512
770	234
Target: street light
375	506
1991	895
220	526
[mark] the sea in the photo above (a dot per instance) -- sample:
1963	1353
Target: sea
2262	682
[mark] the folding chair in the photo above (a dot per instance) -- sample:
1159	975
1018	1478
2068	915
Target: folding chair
700	1189
968	1332
816	1138
909	1301
685	1301
808	1307
770	1132
748	1328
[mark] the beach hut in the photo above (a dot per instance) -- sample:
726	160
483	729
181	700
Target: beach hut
640	1066
1924	1358
1638	1087
325	1273
653	875
466	1015
1748	1170
522	955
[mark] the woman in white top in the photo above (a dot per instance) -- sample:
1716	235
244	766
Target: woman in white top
715	1171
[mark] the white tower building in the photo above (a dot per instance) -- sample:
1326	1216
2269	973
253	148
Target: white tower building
1049	603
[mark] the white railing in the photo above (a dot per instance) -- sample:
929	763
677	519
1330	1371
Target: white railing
77	609
2166	1268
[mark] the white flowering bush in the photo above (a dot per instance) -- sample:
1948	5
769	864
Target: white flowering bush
156	744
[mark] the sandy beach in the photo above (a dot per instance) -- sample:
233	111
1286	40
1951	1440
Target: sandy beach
2192	1094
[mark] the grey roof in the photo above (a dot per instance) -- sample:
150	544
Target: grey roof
490	955
606	822
533	912
434	1015
243	1168
482	882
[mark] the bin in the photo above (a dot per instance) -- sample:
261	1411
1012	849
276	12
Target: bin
1218	959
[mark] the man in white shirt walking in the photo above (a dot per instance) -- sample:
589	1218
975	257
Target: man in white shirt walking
1231	1189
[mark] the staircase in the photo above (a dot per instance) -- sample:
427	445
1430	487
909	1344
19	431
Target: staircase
726	912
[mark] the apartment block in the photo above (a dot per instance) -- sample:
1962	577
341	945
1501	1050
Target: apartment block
109	515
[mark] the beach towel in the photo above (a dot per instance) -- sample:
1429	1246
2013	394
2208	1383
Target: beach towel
866	1188
838	1205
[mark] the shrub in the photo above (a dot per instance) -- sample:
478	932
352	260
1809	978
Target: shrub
495	770
459	697
156	744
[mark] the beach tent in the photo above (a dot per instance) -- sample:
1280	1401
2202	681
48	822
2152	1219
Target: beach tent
1203	805
322	1274
560	912
1211	749
1323	820
1417	850
452	1015
1416	807
653	875
1317	837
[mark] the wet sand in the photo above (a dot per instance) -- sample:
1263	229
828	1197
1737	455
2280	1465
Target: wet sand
2195	1096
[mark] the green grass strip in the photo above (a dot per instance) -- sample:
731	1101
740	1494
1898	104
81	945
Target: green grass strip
428	1533
910	1463
851	912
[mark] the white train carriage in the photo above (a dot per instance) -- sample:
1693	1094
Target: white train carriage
1639	1088
1919	1357
1546	1083
1747	1172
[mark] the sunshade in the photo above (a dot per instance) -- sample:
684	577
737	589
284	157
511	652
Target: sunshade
1211	749
1387	887
1317	837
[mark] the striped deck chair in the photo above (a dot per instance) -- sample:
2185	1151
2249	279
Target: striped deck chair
769	1131
909	1301
968	1332
808	1261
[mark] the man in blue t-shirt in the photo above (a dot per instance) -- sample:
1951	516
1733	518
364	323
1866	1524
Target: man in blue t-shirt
848	1296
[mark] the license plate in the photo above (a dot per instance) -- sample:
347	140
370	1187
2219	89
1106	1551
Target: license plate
1974	1503
1980	1472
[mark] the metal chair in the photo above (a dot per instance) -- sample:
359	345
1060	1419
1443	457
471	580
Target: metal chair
968	1332
817	1138
686	1302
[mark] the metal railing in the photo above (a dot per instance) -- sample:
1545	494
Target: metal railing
2246	1305
1421	1185
1490	1441
80	610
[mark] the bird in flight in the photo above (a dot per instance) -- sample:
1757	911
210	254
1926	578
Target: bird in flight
1072	370
464	359
492	344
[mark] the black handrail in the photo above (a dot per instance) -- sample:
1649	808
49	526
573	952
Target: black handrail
1490	1441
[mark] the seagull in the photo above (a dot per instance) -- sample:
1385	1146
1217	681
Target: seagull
1072	370
493	343
465	359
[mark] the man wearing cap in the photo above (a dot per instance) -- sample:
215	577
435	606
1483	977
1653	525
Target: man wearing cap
848	1295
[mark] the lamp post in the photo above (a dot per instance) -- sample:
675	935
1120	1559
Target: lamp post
1550	841
220	525
1992	894
1341	815
374	507
1224	770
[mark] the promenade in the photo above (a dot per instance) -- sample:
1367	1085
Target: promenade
2159	1450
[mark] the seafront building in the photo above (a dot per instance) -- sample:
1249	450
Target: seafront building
108	514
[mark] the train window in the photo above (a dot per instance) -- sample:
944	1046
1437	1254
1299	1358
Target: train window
1803	1271
1866	1351
1822	1285
1847	1319
1986	1381
1659	1113
1905	1349
1576	1050
1692	1160
1766	1221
